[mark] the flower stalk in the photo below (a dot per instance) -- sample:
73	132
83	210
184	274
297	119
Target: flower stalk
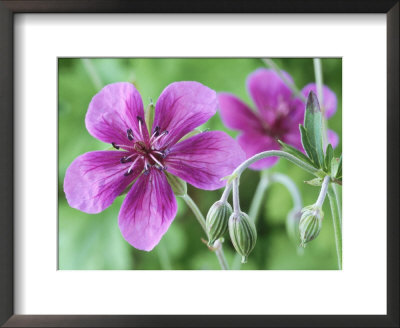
202	221
337	225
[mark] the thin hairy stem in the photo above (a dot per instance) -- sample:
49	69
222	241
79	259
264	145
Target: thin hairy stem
337	226
200	218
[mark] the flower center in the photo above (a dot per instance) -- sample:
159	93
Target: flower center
151	151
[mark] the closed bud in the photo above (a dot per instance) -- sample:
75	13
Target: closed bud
217	220
310	223
243	234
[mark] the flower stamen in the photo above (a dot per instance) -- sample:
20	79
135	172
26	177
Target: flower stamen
130	168
114	145
164	133
129	134
126	159
155	160
140	120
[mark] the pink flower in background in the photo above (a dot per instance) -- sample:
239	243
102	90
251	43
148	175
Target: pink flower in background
116	116
278	115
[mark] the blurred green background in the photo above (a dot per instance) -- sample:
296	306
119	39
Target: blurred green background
94	242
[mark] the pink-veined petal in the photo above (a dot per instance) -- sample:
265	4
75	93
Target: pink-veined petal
202	160
113	111
270	94
254	143
182	107
95	179
147	211
330	100
236	114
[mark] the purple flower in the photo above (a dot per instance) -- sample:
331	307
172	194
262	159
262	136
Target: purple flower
278	115
116	116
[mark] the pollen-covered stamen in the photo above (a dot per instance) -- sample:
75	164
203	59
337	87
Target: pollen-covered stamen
114	145
130	170
126	159
156	133
129	134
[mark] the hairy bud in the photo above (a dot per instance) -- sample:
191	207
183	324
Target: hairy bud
310	223
243	234
217	220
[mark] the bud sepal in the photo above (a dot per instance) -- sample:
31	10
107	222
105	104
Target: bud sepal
217	220
243	234
310	223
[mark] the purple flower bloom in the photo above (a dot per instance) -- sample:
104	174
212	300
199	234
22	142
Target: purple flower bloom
278	115
116	116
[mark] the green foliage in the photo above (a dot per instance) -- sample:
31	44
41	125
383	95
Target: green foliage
95	242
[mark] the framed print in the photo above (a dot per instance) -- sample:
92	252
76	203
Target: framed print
182	165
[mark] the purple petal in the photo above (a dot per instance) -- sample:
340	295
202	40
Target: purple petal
202	160
330	100
147	211
95	179
113	111
183	106
254	143
293	138
236	114
270	94
333	138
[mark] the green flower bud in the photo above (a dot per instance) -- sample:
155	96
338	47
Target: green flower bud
179	187
310	223
243	234
217	220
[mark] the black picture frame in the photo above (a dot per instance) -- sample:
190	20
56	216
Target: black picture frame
7	172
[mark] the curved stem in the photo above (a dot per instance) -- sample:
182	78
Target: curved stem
337	227
235	196
200	218
227	190
270	153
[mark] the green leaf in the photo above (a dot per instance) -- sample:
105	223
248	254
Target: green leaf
313	125
338	174
328	158
293	151
315	182
149	116
310	150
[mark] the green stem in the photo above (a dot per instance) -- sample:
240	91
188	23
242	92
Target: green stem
337	226
269	153
200	218
253	211
289	83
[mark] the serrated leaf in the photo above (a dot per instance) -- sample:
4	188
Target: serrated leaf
313	125
315	182
293	151
310	150
328	158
